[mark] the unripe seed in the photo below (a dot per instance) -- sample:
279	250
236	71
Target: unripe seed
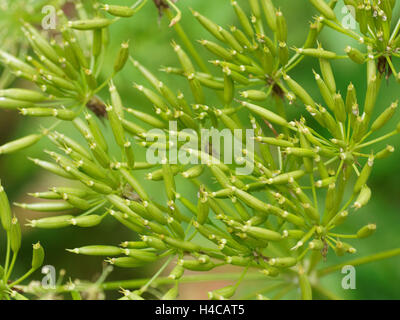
223	293
122	58
363	197
317	53
355	55
316	244
20	144
366	231
285	262
364	175
98	250
243	19
97	23
15	235
37	256
196	265
52	222
324	9
126	262
87	221
5	210
208	25
265	113
384	117
261	233
270	13
119	11
385	152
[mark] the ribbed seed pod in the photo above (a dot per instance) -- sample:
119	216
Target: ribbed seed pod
15	235
363	197
126	262
299	91
355	55
305	286
97	23
86	221
98	250
5	210
317	53
371	95
244	21
265	113
327	74
262	233
119	11
37	256
364	175
281	27
20	144
385	152
366	231
122	57
270	13
203	207
285	262
208	25
384	117
324	9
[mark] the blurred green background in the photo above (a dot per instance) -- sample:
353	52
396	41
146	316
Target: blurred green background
150	39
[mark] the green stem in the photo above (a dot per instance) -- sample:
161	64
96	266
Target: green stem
325	292
186	41
10	269
26	275
156	275
360	261
386	136
7	256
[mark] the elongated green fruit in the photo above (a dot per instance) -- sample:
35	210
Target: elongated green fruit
52	222
384	117
366	231
285	262
98	250
262	233
119	11
5	210
20	144
37	256
15	235
97	23
364	175
265	113
324	9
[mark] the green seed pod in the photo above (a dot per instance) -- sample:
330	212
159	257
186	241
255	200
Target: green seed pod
180	244
327	74
177	272
70	143
265	114
152	97
325	182
371	95
15	235
281	27
230	40
37	256
141	255
203	207
241	38
134	244
317	53
119	11
87	221
255	95
20	144
339	219
286	177
154	122
364	175
223	293
340	110
154	243
193	172
299	91
283	53
316	244
285	262
23	95
384	117
98	250
355	55
363	197
270	13
169	180
244	21
208	25
16	63
5	210
325	92
76	202
134	183
216	49
116	126
45	206
97	23
126	262
261	233
324	9
196	265
52	222
96	131
385	152
366	231
122	57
